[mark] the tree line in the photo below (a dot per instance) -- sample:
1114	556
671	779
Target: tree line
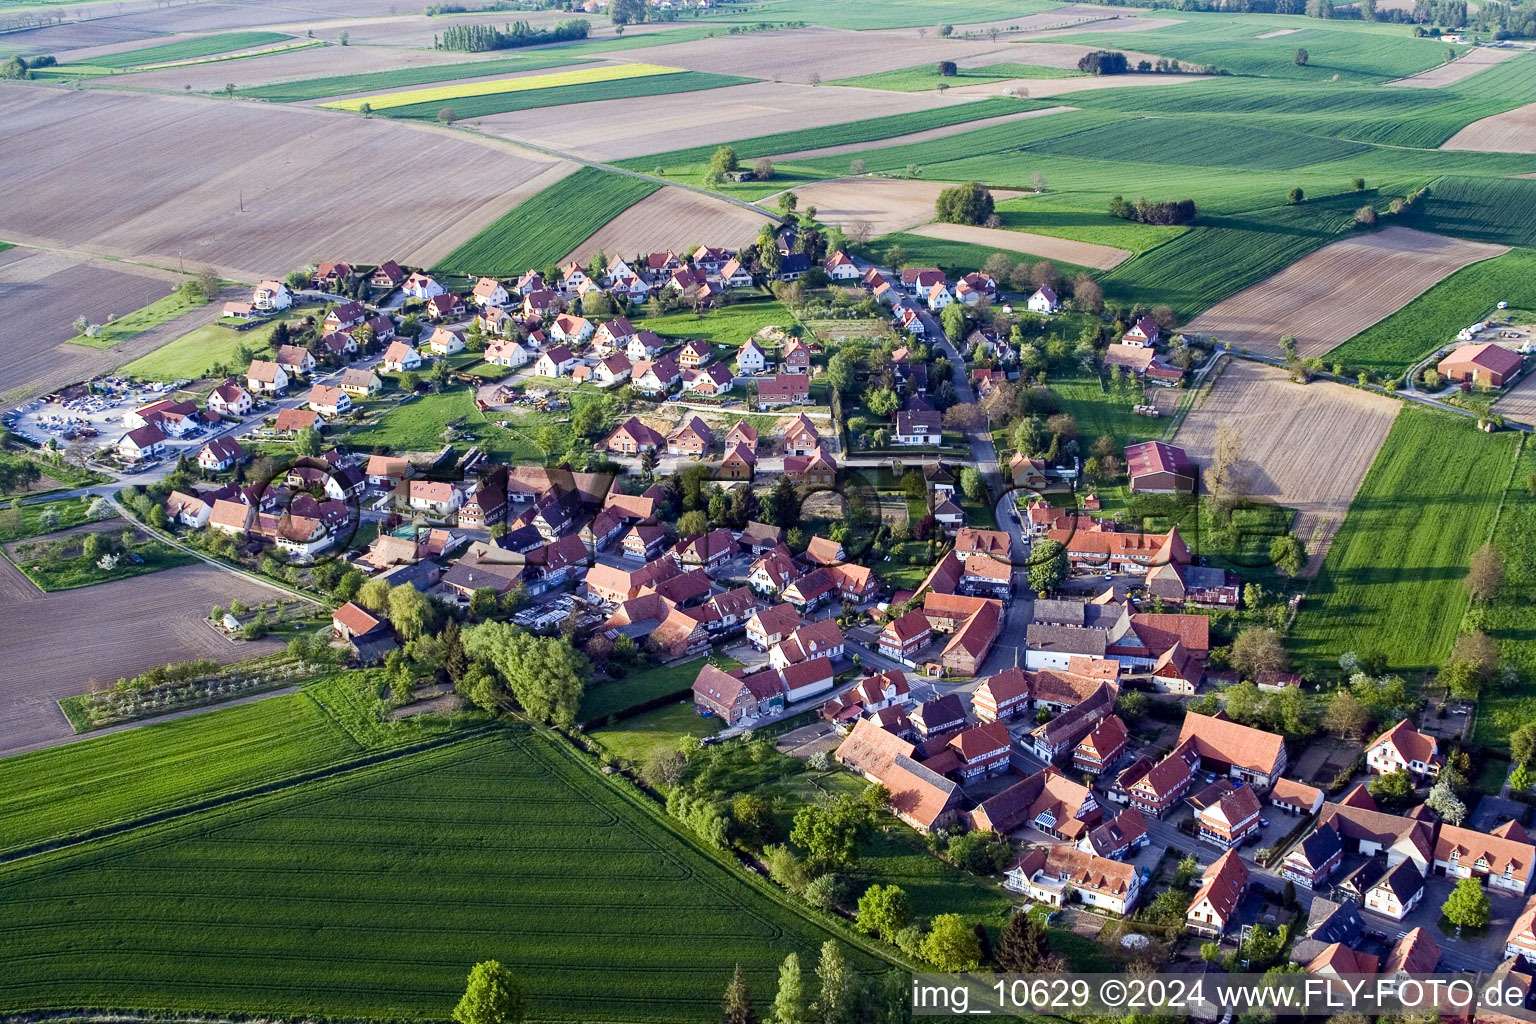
1169	211
479	38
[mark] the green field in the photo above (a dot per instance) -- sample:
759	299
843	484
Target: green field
729	325
80	571
1392	580
23	522
1508	618
368	895
635	739
955	258
418	425
926	76
1196	144
193	355
1431	320
1484	209
140	320
544	227
1082	217
187	49
467	108
622	694
403	78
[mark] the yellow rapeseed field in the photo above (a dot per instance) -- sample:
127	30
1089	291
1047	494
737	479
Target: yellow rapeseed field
554	79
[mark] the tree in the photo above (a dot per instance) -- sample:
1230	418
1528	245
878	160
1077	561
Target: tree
884	910
973	483
970	203
374	595
947	69
1520	779
1025	946
951	945
882	401
446	116
1301	58
1359	184
492	996
1522	744
1225	479
1346	716
824	892
1086	294
410	612
1295	196
736	1008
664	767
952	318
1047	566
790	1005
1288	554
1486	573
830	831
545	674
1258	649
837	1001
366	109
723	162
1393	788
625	12
1468	905
306	441
1366	216
693	523
1443	801
100	509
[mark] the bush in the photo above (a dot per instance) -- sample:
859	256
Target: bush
1103	62
970	203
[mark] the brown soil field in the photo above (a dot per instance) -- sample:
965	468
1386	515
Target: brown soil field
1291	440
1277	32
43	293
797	55
1513	131
1119	22
1470	63
313	62
1056	17
887	204
924	136
179	177
1037	88
1084	254
673	218
59	38
623	128
1329	296
135	624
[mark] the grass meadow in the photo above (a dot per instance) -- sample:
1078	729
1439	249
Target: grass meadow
1392	580
140	320
1508	618
538	231
194	354
926	76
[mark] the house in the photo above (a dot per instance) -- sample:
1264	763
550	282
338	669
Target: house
571	329
799	434
360	383
1121	552
291	421
818	469
447	306
385	470
938	716
819	639
796	357
919	280
1043	300
232	517
1119	837
1392	891
758	538
939	296
1241	752
1339	961
973	287
401	356
1230	819
344	316
709	380
229	399
266	377
508	352
573	276
613	334
420	286
1053	875
1413	954
141	443
981	750
1522	934
327	400
329	276
919	796
694	354
1312	861
1102	747
1158	468
1295	798
1144	333
433	496
1404	748
295	360
870	694
1002	696
918	427
644	345
904	636
1501	860
220	454
1370	832
555	361
692	437
352	620
445	342
840	267
805	679
769	626
970	643
1487	363
1220	894
734	275
187	509
541	303
613	369
633	437
1176	583
783	389
706	551
490	292
793	266
1047	801
656	377
387	277
271	296
737	698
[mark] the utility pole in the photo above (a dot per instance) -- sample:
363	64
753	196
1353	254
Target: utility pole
242	200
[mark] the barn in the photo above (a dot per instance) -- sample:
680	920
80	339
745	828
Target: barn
1484	364
1158	468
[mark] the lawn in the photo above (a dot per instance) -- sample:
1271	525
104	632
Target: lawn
1102	406
187	49
16	524
926	76
729	325
79	571
194	355
369	894
611	698
141	320
402	78
1392	580
1431	320
657	82
635	739
418	425
542	228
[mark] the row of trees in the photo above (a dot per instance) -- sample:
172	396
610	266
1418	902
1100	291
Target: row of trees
478	38
1169	211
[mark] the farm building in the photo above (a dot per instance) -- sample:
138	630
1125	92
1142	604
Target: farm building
1158	468
1481	364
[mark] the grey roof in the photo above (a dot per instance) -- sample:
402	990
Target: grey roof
1066	640
372	647
1071	613
941	711
1320	846
1330	922
1493	811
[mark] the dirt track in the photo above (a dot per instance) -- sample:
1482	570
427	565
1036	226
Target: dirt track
1469	64
164	178
56	645
1513	131
1306	447
887	204
1085	254
1329	296
673	218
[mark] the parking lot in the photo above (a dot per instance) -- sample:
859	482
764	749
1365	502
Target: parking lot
95	418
